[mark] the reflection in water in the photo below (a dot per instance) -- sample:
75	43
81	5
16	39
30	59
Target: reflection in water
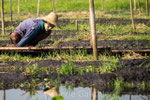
4	95
53	93
130	97
47	93
94	94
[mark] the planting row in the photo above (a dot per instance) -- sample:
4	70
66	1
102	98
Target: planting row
130	75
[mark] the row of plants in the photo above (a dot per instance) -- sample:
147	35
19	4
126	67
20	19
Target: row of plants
104	32
69	69
78	55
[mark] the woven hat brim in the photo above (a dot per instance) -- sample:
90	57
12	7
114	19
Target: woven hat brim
51	22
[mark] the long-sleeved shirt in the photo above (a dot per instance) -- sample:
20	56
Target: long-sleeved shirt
28	30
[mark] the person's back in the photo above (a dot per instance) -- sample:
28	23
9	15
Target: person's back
27	25
29	30
32	30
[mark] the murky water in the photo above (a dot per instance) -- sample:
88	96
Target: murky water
79	93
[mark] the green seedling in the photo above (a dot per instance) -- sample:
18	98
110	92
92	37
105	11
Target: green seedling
32	70
141	85
89	69
68	68
108	67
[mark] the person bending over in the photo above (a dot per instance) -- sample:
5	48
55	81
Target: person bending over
32	30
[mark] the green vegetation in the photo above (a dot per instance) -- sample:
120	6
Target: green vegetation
117	89
68	68
32	70
111	30
108	67
80	55
73	5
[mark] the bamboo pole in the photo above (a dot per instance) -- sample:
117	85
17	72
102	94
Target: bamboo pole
49	48
93	28
139	6
95	94
126	51
130	97
76	22
2	17
53	5
91	93
4	95
134	4
18	6
11	18
132	15
148	97
147	8
102	4
38	8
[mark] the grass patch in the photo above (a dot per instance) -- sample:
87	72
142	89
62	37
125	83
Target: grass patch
68	69
62	5
108	67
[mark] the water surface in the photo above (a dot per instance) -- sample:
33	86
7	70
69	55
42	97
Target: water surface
78	93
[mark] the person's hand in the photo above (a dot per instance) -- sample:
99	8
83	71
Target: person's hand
48	26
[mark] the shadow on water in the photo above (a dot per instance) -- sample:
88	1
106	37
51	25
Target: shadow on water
47	92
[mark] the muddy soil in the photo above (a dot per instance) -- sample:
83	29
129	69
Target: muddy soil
136	70
86	80
132	71
101	21
113	44
63	34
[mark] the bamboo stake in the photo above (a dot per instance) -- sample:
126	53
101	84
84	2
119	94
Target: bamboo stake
4	95
134	4
91	93
95	94
139	6
132	15
126	51
76	25
148	97
147	8
93	28
102	4
49	48
130	97
53	4
18	6
38	8
2	17
11	18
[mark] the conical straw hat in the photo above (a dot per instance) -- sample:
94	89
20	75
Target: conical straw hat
52	18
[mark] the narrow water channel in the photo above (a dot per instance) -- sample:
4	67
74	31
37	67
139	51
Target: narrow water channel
78	93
